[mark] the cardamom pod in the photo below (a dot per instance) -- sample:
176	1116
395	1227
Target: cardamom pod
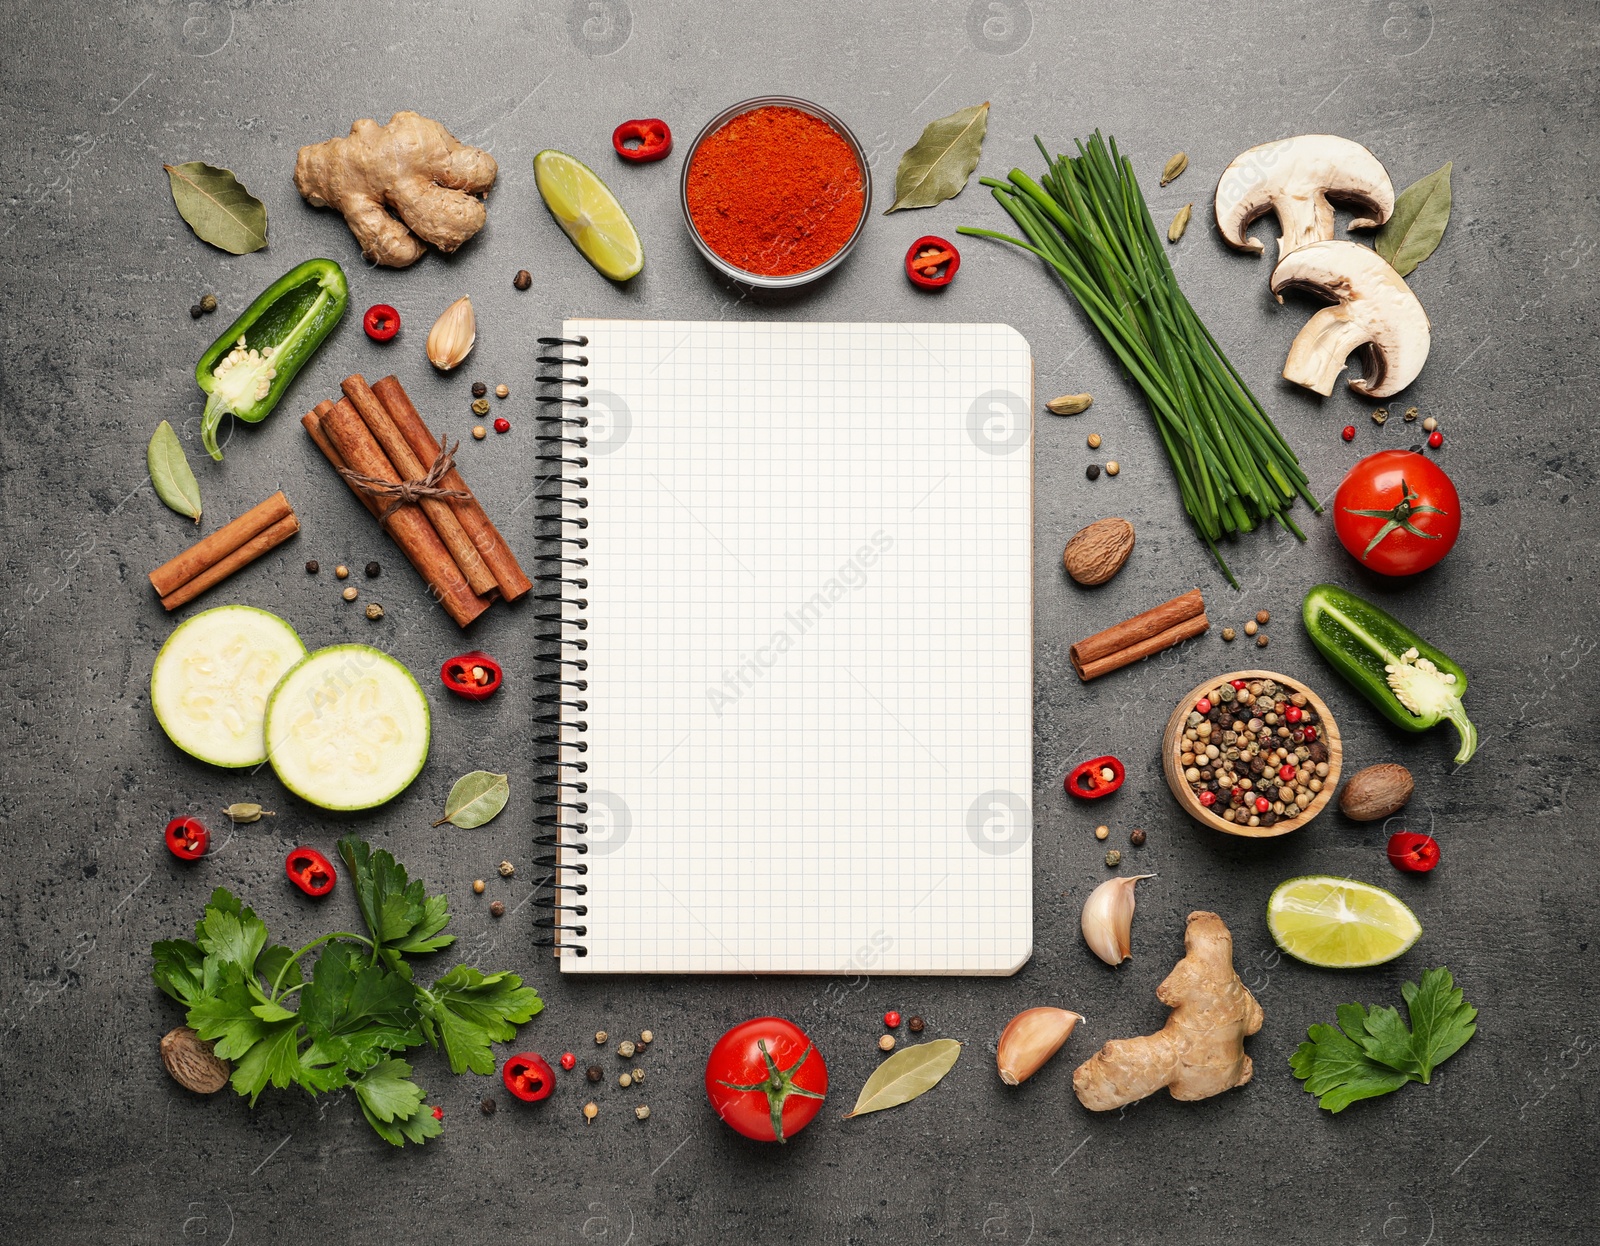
1180	222
1069	404
1174	168
247	811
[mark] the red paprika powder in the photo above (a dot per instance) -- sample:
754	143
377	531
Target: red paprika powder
776	191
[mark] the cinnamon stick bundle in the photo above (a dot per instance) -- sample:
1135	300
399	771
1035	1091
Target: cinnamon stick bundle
214	558
1168	624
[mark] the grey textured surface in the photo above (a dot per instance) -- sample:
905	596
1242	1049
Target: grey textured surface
97	346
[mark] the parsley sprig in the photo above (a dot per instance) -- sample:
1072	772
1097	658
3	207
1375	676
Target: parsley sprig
1372	1051
344	1026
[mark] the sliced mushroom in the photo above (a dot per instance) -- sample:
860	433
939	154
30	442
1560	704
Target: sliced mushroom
1295	178
1373	308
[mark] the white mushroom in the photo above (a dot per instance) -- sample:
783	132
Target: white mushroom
1295	178
1372	308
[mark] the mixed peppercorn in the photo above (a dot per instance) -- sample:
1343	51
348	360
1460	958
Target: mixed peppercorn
1252	752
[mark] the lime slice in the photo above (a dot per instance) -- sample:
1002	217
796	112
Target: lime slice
585	207
1338	923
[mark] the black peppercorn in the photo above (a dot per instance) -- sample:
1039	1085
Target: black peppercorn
313	566
594	1072
487	1107
196	311
1136	837
373	570
916	1025
479	389
1092	471
523	279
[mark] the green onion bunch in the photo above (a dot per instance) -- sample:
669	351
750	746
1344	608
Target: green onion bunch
1089	222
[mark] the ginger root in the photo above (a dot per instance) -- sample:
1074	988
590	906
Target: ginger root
1200	1050
414	166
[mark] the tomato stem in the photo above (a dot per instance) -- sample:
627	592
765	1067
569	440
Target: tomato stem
778	1086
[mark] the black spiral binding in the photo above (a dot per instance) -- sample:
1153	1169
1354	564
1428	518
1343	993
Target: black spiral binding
561	440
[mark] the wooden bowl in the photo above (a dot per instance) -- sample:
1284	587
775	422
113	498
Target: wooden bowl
1329	735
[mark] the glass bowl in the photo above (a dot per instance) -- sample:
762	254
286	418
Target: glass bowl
766	280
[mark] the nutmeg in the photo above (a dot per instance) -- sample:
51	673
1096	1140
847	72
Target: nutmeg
193	1063
1376	792
1096	553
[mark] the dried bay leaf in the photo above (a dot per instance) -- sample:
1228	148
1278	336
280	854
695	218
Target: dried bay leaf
475	799
1420	215
910	1072
170	472
217	207
937	167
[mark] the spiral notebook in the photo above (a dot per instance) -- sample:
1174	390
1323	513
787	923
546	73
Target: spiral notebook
789	714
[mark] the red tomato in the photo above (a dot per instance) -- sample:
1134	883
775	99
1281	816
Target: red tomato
1397	512
766	1079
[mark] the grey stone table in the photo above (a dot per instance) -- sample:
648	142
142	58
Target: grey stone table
97	347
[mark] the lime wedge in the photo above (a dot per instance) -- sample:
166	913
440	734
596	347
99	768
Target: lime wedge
585	207
1338	923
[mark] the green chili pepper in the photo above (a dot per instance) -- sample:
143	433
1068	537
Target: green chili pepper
1413	684
248	368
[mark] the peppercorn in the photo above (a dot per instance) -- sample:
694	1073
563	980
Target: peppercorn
1101	832
477	886
568	1061
1380	415
507	869
1349	433
479	389
374	611
625	1049
590	1111
886	1043
1436	439
1092	471
487	1107
594	1072
313	566
342	571
645	1036
642	1112
600	1037
1250	628
351	593
502	425
1113	859
479	432
625	1080
480	406
523	279
502	391
1136	837
1113	467
497	909
891	1020
1094	441
1429	424
208	303
1228	633
1262	642
1411	414
638	1075
1263	616
374	570
195	311
916	1025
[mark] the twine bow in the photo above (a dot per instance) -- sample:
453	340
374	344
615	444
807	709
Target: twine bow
400	492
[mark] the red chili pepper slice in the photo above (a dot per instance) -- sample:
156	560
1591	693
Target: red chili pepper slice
474	675
309	870
1413	853
1087	782
187	839
651	133
529	1077
931	262
381	322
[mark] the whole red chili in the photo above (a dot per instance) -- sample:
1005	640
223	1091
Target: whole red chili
1088	781
310	871
931	262
1412	852
652	135
474	675
187	839
381	322
1349	433
528	1077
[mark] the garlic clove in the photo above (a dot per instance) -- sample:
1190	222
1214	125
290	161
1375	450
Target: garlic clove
1030	1039
1108	918
451	338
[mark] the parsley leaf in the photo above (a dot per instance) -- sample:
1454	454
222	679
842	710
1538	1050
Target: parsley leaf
179	969
398	912
468	1010
394	1105
1374	1052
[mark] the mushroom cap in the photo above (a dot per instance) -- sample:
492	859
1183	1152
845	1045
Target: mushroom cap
1295	178
1373	309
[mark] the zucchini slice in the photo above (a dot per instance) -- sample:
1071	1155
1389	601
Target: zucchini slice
347	728
212	679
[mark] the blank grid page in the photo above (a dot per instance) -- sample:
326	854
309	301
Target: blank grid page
809	625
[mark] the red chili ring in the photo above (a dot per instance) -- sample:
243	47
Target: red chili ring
381	322
1086	783
187	839
941	273
457	675
529	1077
310	871
654	137
1413	852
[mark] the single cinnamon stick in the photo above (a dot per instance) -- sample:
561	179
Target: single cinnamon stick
245	554
1137	632
207	552
410	467
408	526
502	562
1174	635
312	420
